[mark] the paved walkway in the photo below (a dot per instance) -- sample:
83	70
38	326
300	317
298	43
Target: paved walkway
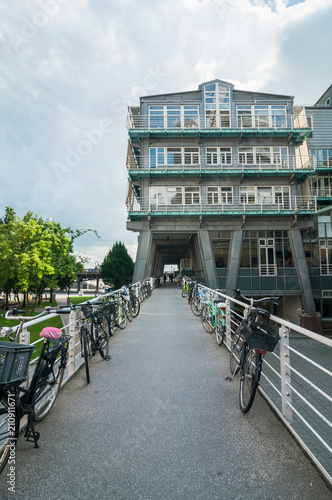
160	422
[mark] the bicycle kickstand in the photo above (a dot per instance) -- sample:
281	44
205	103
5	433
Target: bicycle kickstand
31	435
236	371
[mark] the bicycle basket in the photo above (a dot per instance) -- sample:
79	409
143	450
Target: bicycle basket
261	336
14	361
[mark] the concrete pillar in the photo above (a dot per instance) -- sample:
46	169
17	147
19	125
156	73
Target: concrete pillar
302	270
208	261
143	252
233	264
152	260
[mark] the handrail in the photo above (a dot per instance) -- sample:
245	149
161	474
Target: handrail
296	381
203	162
238	204
214	121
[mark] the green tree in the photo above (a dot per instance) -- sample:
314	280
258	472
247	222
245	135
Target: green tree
35	254
117	267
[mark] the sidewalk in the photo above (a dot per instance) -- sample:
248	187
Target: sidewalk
159	421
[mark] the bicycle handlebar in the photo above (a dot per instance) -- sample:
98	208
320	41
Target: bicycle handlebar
255	301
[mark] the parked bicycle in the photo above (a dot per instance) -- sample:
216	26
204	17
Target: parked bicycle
135	305
194	298
94	330
213	316
37	400
249	344
186	288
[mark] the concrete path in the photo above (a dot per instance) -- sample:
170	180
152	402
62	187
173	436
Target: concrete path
159	421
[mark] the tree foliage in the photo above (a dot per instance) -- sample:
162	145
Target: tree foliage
35	254
117	267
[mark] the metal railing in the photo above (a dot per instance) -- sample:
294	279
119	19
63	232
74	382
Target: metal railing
184	162
185	121
233	205
296	381
75	360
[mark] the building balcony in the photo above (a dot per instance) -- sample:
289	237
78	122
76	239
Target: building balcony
322	194
288	205
248	125
195	164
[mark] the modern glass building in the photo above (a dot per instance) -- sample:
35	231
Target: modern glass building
221	185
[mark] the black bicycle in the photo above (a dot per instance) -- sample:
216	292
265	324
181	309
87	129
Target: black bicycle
94	329
249	343
37	400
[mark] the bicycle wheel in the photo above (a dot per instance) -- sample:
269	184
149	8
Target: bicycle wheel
129	311
250	372
195	305
220	332
207	319
46	389
9	429
85	351
135	306
102	334
121	319
235	350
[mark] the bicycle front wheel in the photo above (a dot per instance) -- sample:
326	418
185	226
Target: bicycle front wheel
135	306
46	389
250	372
9	429
195	305
207	319
102	335
121	320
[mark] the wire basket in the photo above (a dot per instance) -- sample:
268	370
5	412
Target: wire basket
14	362
260	336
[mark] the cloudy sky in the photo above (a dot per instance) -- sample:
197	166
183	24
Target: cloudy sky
69	69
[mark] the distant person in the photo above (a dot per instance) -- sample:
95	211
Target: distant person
165	276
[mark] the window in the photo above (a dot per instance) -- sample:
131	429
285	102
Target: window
261	116
160	196
218	156
265	195
322	157
325	251
219	195
173	116
174	156
217	105
267	155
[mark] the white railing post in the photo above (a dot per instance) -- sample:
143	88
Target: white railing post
228	322
285	373
25	339
71	349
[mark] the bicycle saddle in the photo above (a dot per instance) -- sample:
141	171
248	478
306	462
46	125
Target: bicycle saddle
50	332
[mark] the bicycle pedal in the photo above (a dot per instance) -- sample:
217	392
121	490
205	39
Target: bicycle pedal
230	379
32	437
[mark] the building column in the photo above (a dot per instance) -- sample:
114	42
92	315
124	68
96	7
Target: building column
233	264
302	270
143	254
208	261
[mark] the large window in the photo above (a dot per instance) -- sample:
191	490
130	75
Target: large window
218	195
323	157
321	186
264	155
162	196
173	116
261	116
265	195
325	250
159	157
217	105
218	156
